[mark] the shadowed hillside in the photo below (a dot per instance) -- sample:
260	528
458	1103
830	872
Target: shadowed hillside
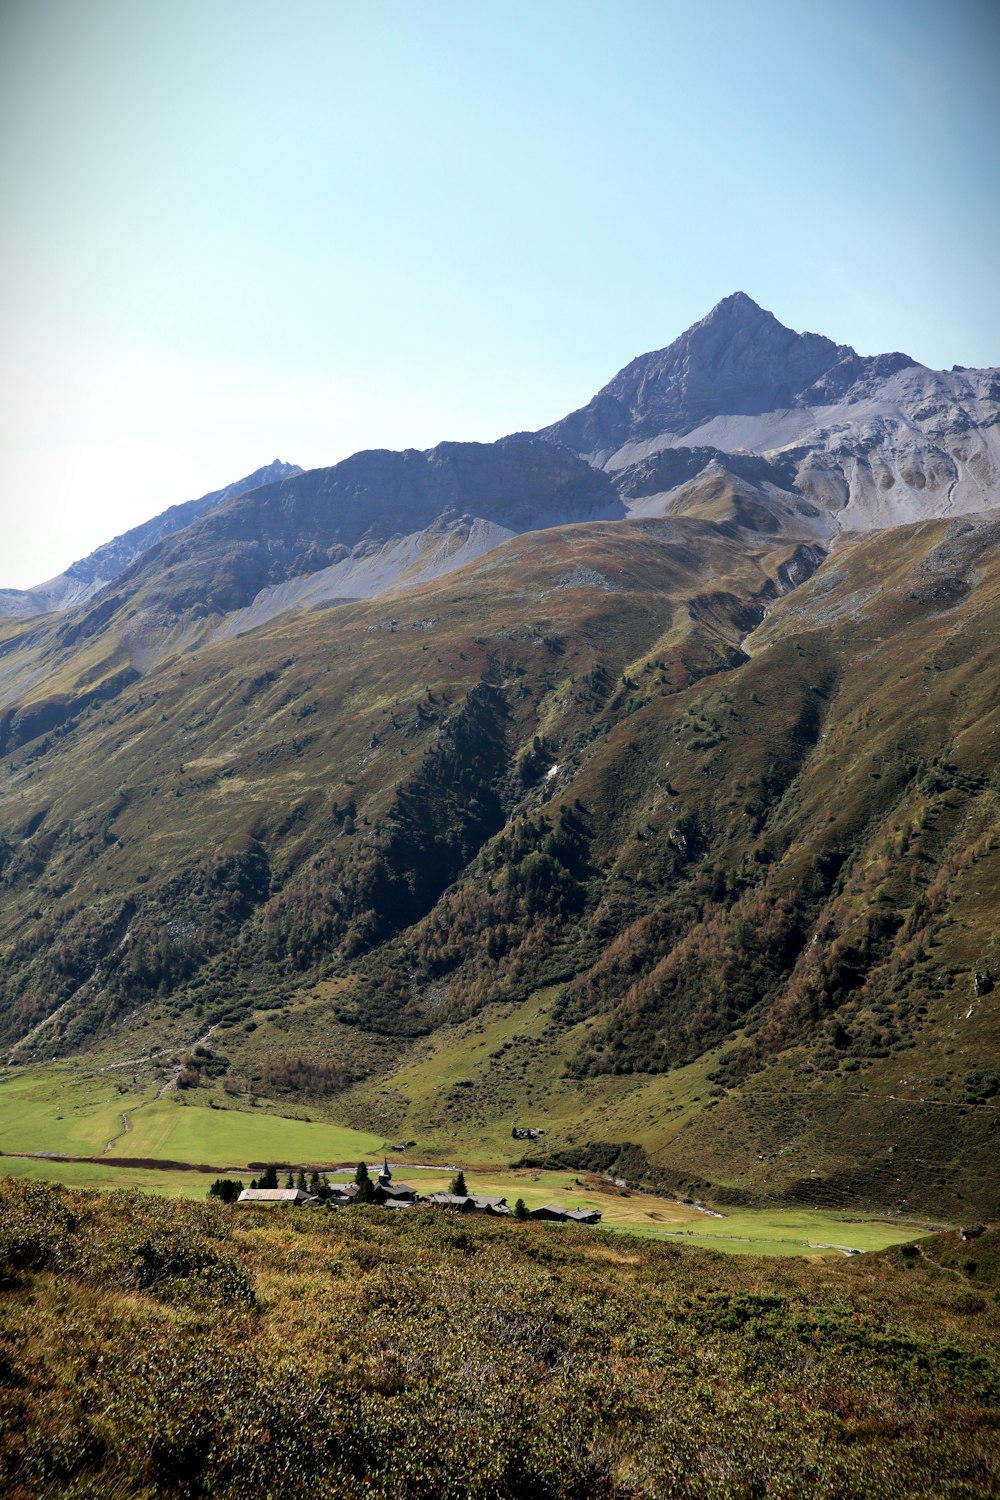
561	770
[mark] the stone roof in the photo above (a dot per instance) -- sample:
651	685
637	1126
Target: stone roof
276	1195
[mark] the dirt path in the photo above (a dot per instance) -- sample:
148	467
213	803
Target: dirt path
165	1087
126	1127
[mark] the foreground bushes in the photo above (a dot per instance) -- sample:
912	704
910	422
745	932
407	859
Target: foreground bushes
127	1242
155	1348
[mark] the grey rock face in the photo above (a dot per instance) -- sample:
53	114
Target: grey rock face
378	519
739	359
872	441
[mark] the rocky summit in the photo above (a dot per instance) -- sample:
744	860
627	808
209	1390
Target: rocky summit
869	440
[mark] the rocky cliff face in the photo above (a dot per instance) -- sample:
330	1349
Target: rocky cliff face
871	441
737	359
378	520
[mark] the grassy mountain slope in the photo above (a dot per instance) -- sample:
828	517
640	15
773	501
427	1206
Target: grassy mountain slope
788	886
262	772
540	844
376	521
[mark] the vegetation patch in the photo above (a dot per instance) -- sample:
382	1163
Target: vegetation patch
192	1350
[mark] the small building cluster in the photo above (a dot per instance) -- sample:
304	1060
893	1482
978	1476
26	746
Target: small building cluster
556	1215
389	1194
468	1203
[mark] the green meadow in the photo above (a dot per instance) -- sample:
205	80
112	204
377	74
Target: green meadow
174	1131
86	1174
62	1109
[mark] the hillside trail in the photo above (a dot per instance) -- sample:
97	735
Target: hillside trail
953	1271
170	1083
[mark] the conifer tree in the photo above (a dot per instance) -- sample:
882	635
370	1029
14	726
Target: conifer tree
364	1182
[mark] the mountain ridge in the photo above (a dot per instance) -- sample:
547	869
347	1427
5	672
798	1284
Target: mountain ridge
872	440
88	575
831	440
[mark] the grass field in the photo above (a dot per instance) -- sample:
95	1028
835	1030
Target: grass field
74	1112
744	1231
86	1174
64	1109
174	1131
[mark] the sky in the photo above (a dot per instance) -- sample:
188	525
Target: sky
237	231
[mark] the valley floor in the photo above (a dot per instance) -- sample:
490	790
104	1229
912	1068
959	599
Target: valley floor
66	1124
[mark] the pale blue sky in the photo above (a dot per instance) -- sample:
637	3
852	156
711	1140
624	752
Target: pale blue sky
237	230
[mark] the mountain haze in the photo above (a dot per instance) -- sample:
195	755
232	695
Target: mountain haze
84	578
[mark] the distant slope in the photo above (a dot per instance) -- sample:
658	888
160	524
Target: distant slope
375	522
354	516
86	577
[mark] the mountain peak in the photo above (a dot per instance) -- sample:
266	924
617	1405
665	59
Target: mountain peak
737	360
738	303
739	312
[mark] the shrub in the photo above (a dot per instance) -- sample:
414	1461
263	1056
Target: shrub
35	1225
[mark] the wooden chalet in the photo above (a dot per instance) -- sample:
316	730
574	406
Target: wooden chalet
469	1203
554	1214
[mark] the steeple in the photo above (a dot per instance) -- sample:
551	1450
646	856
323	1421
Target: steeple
385	1176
